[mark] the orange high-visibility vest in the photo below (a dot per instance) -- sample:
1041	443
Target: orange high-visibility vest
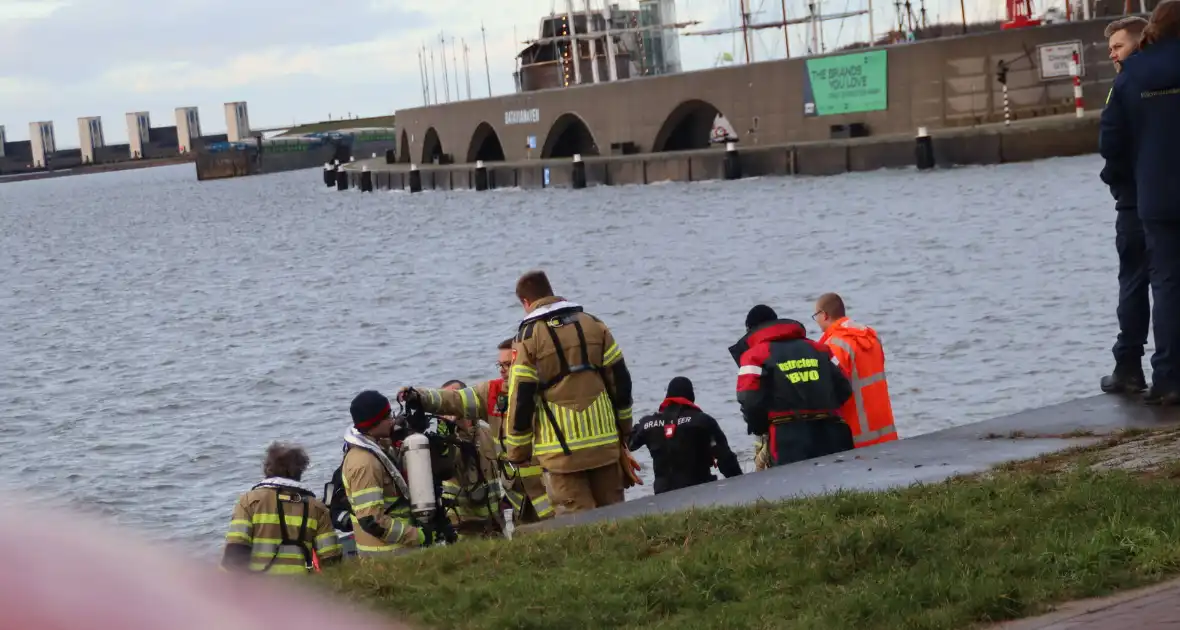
856	349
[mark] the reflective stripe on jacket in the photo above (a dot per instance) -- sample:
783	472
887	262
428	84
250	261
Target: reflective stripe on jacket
857	350
479	403
372	493
255	523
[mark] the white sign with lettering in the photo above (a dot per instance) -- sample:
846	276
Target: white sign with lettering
522	116
1056	59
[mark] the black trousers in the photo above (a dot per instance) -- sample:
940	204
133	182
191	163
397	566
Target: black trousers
799	440
1163	240
1134	310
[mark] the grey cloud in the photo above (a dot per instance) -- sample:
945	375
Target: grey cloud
87	37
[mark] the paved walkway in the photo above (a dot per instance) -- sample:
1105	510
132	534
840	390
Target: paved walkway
1153	608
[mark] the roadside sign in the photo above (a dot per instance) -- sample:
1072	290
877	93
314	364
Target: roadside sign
1054	60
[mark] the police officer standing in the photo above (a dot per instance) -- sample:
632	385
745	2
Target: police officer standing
790	390
1139	137
569	400
1134	308
685	442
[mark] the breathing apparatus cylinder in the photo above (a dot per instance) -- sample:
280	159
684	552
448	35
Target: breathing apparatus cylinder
416	455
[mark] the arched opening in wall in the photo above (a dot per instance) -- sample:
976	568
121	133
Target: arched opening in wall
689	126
569	136
403	148
485	145
431	147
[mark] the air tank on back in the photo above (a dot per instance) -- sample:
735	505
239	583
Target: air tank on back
416	455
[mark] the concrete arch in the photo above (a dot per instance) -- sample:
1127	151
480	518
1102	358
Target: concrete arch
569	135
431	146
688	126
485	145
403	148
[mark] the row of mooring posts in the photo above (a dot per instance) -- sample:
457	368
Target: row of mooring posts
335	175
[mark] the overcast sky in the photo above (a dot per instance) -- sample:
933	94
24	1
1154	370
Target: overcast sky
303	60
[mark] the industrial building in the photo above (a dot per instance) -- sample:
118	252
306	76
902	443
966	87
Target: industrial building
43	142
90	137
188	128
144	142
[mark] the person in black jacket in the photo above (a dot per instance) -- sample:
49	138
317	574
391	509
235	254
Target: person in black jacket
685	442
790	390
1134	307
1139	137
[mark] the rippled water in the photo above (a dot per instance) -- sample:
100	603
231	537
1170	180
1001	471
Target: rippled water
157	333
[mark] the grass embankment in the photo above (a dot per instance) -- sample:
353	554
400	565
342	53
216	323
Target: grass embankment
967	551
347	123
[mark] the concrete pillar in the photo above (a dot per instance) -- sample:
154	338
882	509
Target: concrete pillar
578	176
329	175
3	139
924	150
415	179
481	176
341	179
733	162
366	179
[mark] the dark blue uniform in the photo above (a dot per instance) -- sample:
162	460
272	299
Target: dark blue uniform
1134	307
1140	140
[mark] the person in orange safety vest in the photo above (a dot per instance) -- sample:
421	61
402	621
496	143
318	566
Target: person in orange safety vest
857	350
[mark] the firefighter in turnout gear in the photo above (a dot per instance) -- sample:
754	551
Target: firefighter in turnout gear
473	490
382	521
569	400
279	527
523	486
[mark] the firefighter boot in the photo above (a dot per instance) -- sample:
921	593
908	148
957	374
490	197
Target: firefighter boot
1127	378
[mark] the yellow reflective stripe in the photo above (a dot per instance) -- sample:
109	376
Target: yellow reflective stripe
366	498
542	506
396	530
593	426
470	403
1108	93
524	371
529	471
367	550
238	537
513	439
279	569
433	399
292	520
612	355
624	414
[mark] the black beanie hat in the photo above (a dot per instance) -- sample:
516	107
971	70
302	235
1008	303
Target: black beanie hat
368	408
681	387
759	315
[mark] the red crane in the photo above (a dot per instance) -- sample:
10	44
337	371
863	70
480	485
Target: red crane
1019	15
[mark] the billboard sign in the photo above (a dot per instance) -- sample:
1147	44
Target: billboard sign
846	84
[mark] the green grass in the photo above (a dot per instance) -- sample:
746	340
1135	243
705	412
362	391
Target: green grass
348	123
963	552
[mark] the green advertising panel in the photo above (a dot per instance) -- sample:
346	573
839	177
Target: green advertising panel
846	84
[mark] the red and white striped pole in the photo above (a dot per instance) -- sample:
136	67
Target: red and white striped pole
1075	69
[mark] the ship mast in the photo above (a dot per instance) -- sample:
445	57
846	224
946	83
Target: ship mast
747	27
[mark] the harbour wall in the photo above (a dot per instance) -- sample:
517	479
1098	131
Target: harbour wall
937	84
1034	139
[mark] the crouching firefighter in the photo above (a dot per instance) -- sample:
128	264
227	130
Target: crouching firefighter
279	527
473	492
569	400
685	442
378	494
790	390
523	486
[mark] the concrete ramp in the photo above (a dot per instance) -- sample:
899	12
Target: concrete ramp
926	458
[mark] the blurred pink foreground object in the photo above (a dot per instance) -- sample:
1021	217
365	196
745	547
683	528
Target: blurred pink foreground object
64	571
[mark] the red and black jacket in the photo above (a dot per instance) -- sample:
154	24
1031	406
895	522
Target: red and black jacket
783	375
